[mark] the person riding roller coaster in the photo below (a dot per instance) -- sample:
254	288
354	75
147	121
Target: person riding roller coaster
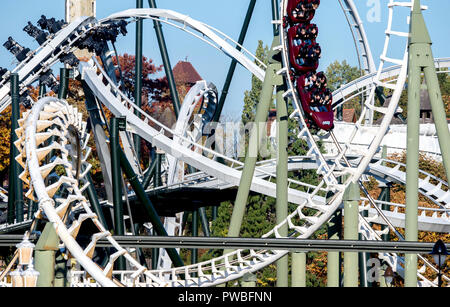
309	55
316	103
321	81
304	58
315	98
300	11
301	34
311	32
310	80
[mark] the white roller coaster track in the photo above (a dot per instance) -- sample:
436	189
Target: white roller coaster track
176	168
356	26
233	265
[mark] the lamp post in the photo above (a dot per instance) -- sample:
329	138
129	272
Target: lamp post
439	254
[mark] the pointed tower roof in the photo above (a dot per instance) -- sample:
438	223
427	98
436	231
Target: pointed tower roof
185	73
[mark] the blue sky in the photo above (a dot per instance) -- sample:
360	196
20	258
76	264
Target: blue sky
227	16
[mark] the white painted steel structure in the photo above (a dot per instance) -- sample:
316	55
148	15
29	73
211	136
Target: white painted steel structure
49	111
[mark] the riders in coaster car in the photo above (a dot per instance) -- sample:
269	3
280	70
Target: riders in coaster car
321	81
300	11
297	35
305	57
316	105
310	80
312	31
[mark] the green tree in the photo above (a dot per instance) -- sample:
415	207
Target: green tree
341	73
251	98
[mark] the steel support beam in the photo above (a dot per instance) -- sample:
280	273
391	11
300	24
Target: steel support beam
290	244
45	251
166	62
282	182
15	190
119	228
298	269
148	206
149	174
194	227
418	54
138	75
101	141
42	90
256	133
64	77
351	213
334	257
385	195
232	68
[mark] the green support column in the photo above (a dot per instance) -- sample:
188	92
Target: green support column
340	113
149	174
257	131
98	126
282	181
64	75
194	251
439	114
420	59
351	214
60	271
412	173
233	64
15	190
42	90
298	269
249	280
93	200
156	182
155	254
166	62
334	258
157	179
385	196
417	59
138	75
204	221
148	206
215	212
119	229
262	111
44	256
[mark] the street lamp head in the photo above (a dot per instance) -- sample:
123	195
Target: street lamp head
439	253
30	277
25	251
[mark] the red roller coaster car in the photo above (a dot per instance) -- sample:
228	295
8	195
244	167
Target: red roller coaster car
308	15
294	50
320	118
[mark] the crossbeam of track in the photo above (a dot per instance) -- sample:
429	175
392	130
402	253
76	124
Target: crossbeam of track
256	243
